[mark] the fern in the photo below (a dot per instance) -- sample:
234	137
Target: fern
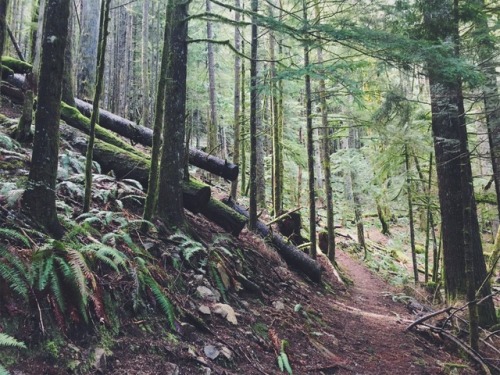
11	342
165	304
218	281
14	235
107	255
6	340
14	272
188	246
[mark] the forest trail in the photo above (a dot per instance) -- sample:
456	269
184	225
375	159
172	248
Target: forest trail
374	341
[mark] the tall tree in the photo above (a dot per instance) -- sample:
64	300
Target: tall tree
101	54
460	228
254	97
325	149
89	40
145	63
213	145
68	93
237	99
310	145
170	204
3	28
39	199
152	197
277	129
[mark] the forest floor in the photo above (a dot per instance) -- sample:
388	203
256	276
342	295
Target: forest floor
356	327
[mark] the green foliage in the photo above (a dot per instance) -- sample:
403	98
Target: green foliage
189	247
283	363
9	341
218	281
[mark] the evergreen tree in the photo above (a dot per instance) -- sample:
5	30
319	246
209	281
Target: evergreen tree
170	202
39	199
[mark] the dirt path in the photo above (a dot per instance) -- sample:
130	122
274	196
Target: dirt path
374	341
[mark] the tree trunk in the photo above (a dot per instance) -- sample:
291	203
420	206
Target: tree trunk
410	214
277	130
254	97
68	92
145	63
39	199
152	197
3	28
236	102
310	144
172	168
89	35
325	154
101	57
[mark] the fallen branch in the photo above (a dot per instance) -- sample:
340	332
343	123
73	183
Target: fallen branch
471	352
427	317
283	216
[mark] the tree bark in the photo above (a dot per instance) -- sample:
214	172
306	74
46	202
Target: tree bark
3	28
172	168
325	153
39	199
290	254
254	97
310	144
89	35
101	54
145	63
236	101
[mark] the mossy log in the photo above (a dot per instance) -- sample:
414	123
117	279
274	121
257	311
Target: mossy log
75	119
144	136
125	164
6	72
224	216
13	93
291	255
17	66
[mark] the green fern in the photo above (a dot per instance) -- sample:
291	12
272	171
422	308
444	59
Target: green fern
14	235
13	271
165	304
187	245
218	281
9	341
6	340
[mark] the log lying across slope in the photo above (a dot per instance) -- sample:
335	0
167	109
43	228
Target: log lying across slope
126	162
144	136
292	256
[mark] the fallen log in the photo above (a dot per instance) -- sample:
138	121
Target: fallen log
124	164
144	136
292	256
231	221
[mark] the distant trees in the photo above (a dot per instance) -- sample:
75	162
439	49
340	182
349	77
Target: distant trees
39	199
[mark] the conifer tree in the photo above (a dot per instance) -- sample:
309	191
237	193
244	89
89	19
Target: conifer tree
39	199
